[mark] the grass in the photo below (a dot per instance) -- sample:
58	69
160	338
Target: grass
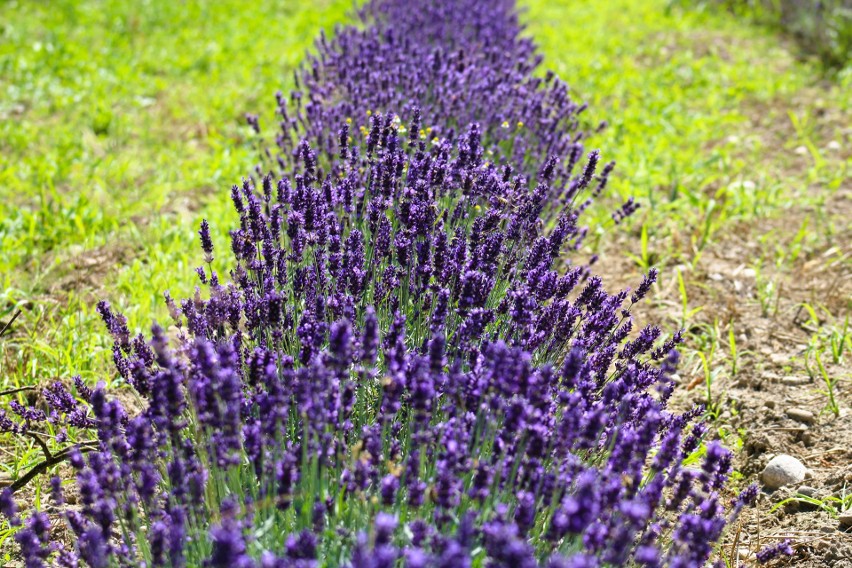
681	91
821	28
121	126
719	129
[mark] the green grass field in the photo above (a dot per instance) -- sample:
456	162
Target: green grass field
682	92
121	127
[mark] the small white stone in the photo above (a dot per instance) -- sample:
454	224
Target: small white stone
744	185
783	470
801	415
833	145
801	150
779	358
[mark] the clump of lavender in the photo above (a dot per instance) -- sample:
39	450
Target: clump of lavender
403	368
397	373
442	66
774	551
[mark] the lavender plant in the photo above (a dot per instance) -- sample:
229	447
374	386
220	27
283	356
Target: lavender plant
403	368
397	373
457	63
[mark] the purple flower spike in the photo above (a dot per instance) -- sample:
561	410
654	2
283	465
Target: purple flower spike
772	552
206	241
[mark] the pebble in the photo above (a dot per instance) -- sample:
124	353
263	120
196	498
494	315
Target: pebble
779	358
801	150
845	518
783	470
809	491
795	381
801	415
743	552
833	145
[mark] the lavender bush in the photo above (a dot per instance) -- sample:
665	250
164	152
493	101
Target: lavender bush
458	63
404	369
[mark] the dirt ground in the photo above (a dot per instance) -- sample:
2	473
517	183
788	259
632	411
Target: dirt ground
772	405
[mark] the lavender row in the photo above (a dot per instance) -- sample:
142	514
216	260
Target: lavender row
403	368
458	63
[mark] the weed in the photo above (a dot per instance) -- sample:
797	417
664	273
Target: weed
839	340
646	259
732	346
830	386
831	504
686	312
768	292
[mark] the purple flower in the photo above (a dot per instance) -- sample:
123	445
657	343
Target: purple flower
302	546
385	526
747	496
390	485
206	241
773	551
404	337
9	508
645	287
228	548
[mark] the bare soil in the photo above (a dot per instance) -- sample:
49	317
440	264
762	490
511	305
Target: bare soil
771	382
